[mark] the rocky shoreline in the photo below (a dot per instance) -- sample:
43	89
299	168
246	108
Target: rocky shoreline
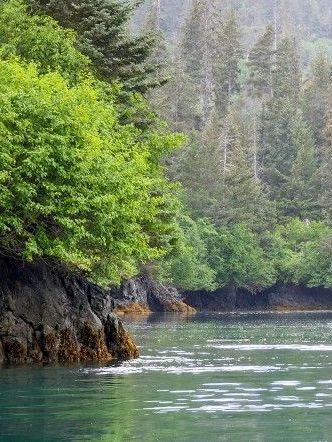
281	297
143	295
52	316
49	315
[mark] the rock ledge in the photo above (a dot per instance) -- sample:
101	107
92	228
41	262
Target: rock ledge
52	316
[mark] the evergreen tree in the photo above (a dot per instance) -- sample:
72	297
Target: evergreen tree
196	53
278	150
226	68
287	75
244	199
160	59
315	96
260	65
326	165
101	27
301	190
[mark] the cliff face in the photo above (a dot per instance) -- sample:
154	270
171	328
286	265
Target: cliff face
143	295
277	298
54	317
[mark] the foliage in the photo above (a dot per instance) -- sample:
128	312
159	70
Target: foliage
41	40
102	35
81	150
188	267
302	253
75	185
237	258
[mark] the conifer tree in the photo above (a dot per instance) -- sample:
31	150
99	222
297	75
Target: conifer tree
301	190
315	96
160	59
226	66
196	54
287	75
326	165
102	35
243	196
278	150
260	65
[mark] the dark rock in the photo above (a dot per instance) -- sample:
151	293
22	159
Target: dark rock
277	298
49	315
296	297
143	295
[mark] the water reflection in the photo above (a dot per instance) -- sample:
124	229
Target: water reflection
215	378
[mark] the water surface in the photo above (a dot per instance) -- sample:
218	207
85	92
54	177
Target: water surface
264	377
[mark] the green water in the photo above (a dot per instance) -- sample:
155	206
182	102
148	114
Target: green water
209	378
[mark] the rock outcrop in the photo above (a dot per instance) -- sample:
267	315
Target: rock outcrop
277	298
143	295
51	316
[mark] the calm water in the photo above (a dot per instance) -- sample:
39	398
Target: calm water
210	378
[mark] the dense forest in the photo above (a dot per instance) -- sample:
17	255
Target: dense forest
193	138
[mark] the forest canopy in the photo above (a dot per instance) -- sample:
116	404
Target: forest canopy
95	103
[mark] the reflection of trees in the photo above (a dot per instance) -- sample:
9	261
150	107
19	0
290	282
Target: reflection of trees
59	404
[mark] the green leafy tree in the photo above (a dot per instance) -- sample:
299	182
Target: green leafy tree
39	39
237	257
75	186
301	252
188	267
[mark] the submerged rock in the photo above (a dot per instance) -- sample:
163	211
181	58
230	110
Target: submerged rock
52	316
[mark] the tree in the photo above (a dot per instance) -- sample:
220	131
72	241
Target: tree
243	196
196	52
301	252
226	68
188	267
315	97
237	258
75	186
101	27
326	164
287	75
260	65
300	192
40	39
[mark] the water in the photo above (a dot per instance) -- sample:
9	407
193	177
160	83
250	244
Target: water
209	378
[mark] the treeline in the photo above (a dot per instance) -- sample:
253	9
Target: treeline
257	164
89	173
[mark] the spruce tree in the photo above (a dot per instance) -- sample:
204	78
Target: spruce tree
101	26
287	75
301	190
243	198
315	96
260	65
196	54
326	165
226	68
278	150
